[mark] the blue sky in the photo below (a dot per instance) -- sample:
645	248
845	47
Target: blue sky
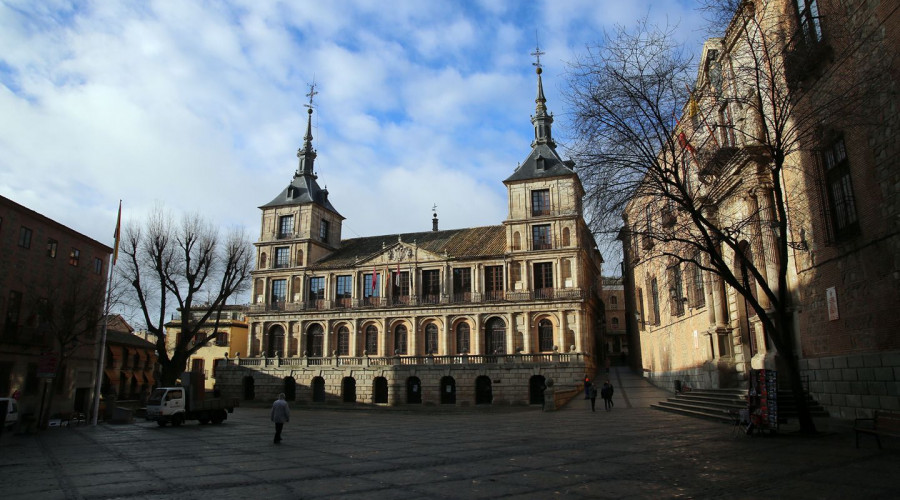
199	105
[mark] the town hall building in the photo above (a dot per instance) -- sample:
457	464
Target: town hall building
480	315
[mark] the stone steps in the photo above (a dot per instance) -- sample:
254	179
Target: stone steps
715	404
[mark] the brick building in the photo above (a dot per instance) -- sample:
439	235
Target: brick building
463	316
50	276
841	186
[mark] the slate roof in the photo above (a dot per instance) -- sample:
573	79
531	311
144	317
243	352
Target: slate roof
475	242
554	166
123	338
305	190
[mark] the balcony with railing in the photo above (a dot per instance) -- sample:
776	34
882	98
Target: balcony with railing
414	301
542	358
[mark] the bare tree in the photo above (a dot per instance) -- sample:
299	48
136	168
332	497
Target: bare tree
185	266
656	141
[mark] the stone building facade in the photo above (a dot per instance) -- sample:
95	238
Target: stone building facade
840	184
463	316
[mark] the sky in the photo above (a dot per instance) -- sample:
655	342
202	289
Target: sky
198	106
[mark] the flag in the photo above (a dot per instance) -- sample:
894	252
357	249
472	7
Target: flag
117	234
397	277
375	282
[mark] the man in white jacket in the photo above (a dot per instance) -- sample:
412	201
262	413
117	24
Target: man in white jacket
281	413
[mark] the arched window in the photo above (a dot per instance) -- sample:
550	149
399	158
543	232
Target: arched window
275	342
462	338
343	341
517	241
615	322
545	335
372	340
314	341
262	260
400	339
495	336
566	239
431	339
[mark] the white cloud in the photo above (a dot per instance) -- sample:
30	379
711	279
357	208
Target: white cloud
200	105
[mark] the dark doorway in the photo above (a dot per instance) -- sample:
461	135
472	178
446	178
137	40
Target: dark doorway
318	390
413	390
380	391
448	391
348	389
290	389
483	393
249	388
536	386
495	336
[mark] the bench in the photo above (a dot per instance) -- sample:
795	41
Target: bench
884	423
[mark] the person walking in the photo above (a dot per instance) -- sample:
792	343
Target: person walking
593	398
607	393
587	388
281	413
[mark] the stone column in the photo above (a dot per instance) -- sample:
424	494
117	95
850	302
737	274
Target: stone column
511	337
446	335
477	346
528	333
561	336
758	252
579	323
413	345
769	238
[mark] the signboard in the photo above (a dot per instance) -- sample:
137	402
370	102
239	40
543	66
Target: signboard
831	298
47	364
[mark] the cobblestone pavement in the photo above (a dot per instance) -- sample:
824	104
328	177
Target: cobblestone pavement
630	452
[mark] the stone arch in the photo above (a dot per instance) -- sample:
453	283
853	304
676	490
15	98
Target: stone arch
495	331
516	241
299	258
566	238
370	338
275	341
262	260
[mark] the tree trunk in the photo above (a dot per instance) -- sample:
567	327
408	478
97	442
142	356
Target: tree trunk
807	425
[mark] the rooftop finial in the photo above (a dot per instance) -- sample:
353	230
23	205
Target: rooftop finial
537	55
307	154
312	93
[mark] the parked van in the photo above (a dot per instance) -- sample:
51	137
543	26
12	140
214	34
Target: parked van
12	411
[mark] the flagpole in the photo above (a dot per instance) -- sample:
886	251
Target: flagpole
101	360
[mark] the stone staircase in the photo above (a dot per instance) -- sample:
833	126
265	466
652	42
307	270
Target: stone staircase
715	404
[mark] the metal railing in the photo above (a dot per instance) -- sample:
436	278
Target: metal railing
443	360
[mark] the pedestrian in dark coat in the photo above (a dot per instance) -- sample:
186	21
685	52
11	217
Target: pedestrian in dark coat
281	413
593	397
607	393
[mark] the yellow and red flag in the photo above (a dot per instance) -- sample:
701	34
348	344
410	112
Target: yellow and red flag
117	234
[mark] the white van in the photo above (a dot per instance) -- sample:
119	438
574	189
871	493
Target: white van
12	411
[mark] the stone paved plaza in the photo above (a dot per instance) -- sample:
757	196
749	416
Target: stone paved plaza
630	452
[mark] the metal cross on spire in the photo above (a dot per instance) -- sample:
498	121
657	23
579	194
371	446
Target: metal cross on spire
537	51
312	93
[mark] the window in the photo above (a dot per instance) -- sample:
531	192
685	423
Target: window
74	256
495	336
462	338
344	287
462	283
282	257
543	278
98	266
640	301
676	291
197	365
493	282
654	301
400	288
285	226
316	288
808	16
431	339
279	291
52	245
615	323
699	298
13	310
323	230
726	127
370	288
343	341
25	237
372	340
400	340
540	237
540	202
431	286
613	301
841	202
222	339
545	335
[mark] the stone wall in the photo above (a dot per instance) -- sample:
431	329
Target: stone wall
509	382
856	385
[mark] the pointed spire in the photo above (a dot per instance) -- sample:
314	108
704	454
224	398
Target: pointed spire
541	120
307	154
